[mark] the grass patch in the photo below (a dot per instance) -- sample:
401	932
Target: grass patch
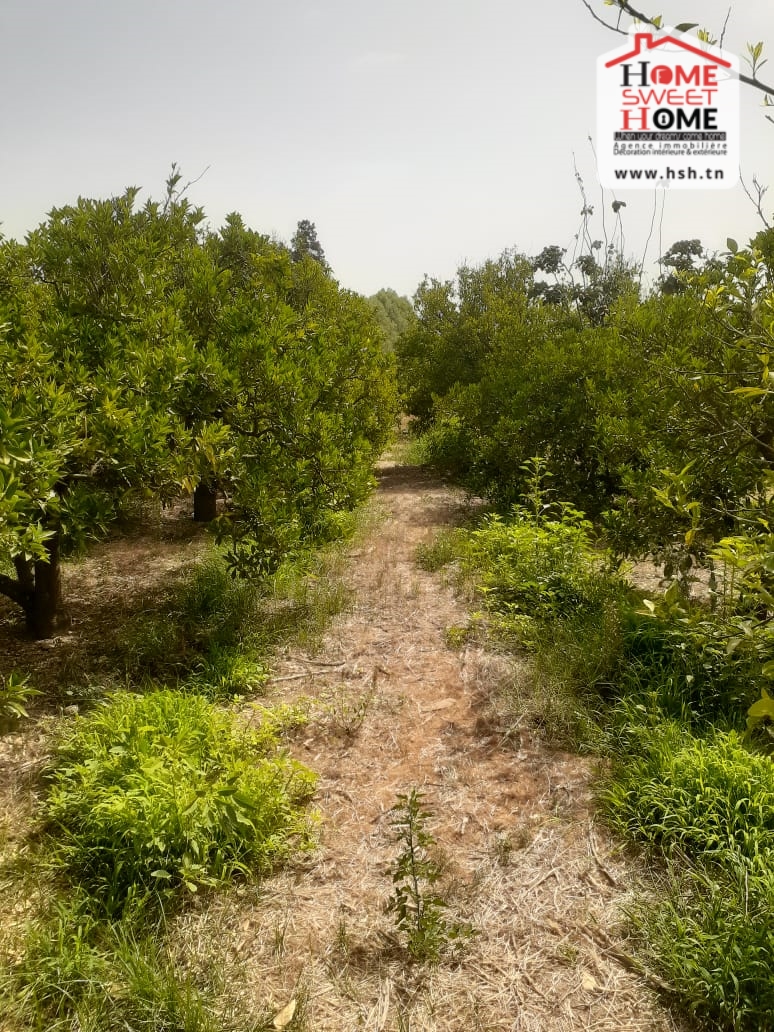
701	796
200	633
710	936
706	804
82	973
444	549
215	633
150	795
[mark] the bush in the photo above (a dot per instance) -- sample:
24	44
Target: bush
680	656
151	793
544	568
702	796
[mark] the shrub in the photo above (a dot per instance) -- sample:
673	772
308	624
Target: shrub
544	568
703	796
151	793
682	655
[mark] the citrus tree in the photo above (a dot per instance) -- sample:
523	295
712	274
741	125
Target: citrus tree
140	355
91	356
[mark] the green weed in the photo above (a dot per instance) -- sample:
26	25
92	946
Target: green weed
225	672
15	693
152	793
542	568
418	908
345	710
215	632
441	551
208	614
708	804
710	936
702	796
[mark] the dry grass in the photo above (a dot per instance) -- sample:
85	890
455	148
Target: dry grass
522	859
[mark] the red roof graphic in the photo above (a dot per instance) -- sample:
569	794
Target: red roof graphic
644	40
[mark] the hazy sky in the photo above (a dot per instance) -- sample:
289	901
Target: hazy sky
416	135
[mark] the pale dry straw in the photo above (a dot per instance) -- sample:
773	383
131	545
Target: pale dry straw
522	858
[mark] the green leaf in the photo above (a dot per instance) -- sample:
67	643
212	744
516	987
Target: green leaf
763	709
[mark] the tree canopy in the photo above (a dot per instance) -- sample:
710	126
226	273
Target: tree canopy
141	355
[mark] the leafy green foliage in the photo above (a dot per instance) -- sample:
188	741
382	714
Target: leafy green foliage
139	355
543	569
708	803
15	693
762	710
417	905
152	793
701	796
497	374
710	937
656	405
681	663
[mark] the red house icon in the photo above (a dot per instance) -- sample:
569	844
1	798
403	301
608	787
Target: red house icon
645	41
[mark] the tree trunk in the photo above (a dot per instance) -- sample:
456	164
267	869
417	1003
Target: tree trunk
205	502
25	574
45	615
37	588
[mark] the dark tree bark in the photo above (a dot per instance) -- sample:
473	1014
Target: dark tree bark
45	616
205	502
38	590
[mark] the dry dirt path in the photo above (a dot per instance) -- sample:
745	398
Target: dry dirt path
524	862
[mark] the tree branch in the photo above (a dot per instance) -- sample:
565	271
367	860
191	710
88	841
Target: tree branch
756	202
595	16
15	591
